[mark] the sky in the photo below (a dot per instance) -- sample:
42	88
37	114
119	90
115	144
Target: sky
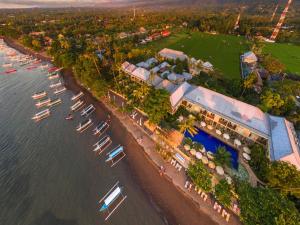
52	3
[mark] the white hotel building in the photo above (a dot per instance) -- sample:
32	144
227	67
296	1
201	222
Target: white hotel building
244	121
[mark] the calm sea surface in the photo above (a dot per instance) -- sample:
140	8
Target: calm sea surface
48	172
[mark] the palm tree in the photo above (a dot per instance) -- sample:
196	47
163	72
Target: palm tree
223	157
188	125
141	92
249	82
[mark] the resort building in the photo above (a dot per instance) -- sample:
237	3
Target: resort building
240	121
172	54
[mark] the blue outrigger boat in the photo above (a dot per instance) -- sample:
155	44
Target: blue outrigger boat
116	155
113	195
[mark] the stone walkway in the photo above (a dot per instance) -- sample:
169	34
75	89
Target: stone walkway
177	178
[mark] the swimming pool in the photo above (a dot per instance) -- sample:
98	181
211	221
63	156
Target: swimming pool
211	144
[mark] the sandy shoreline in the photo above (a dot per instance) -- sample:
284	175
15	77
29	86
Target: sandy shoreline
171	203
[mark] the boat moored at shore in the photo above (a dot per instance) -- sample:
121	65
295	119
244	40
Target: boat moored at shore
39	95
77	96
101	128
88	110
84	125
112	200
102	144
59	83
54	102
5	65
41	115
54	76
59	91
115	155
42	103
78	105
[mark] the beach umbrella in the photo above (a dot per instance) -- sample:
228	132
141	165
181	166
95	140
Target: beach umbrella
203	150
211	165
193	152
198	155
203	124
204	160
246	150
237	142
226	136
228	179
246	156
218	132
210	155
220	170
210	127
187	147
180	118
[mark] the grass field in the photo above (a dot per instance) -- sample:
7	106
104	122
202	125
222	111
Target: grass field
288	54
223	51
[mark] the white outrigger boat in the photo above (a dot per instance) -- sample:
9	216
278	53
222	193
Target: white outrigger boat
54	76
41	115
39	95
102	144
56	84
59	91
42	103
114	195
77	96
101	128
78	105
54	102
88	110
5	65
115	155
44	66
84	125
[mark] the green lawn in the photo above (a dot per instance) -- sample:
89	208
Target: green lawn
288	54
223	51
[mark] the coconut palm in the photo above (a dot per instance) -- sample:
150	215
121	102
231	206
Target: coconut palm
188	125
141	92
223	157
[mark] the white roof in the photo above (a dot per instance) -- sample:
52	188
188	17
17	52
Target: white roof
233	109
172	54
207	65
249	57
163	65
157	80
187	76
151	61
125	65
155	69
178	94
141	73
130	68
167	85
143	64
172	77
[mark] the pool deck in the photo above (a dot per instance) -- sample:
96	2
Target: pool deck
252	177
178	178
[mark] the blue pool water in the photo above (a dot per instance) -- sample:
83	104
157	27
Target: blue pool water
211	144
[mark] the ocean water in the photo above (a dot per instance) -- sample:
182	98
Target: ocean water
48	172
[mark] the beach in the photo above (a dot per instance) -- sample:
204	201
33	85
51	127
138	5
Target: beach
163	195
